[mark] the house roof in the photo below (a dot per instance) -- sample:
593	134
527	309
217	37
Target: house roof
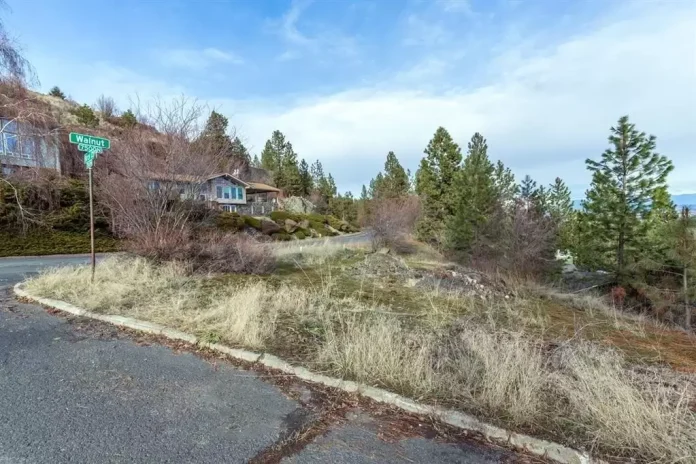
262	187
192	178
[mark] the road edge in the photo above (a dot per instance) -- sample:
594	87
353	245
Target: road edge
539	447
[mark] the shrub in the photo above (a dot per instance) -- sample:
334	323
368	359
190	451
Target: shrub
229	222
56	92
300	234
128	119
252	222
106	106
281	216
281	236
85	116
393	220
236	253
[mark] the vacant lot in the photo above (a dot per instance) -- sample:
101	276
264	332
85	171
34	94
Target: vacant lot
522	356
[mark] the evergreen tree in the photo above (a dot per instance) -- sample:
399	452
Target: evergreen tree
289	178
682	236
317	171
256	162
434	181
560	206
56	92
505	185
624	182
129	119
239	152
376	186
560	209
272	157
527	188
475	196
306	179
395	180
363	194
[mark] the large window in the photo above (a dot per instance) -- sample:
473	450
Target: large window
14	142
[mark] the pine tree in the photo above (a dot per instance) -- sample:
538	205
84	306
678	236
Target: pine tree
624	182
560	209
434	181
475	196
289	179
395	180
682	237
527	188
56	92
505	185
317	171
306	179
239	152
256	162
363	193
272	157
560	206
376	186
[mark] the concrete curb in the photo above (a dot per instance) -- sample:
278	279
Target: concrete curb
555	451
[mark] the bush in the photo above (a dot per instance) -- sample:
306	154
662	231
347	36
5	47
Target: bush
47	242
106	106
56	92
300	234
252	222
281	216
393	220
85	116
128	119
281	236
229	222
235	253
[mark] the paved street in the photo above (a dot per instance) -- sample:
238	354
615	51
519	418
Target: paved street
78	391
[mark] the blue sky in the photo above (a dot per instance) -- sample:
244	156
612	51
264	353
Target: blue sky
349	80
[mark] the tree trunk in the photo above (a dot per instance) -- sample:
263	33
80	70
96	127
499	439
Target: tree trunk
687	308
620	257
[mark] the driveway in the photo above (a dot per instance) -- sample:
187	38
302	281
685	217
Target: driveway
78	391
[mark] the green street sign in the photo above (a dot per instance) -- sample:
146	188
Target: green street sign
90	156
84	140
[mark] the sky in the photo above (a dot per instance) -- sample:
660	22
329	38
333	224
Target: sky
349	80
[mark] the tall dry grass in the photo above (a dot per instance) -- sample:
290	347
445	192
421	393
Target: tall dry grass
479	363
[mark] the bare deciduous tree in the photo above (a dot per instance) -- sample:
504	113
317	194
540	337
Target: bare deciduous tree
150	180
106	106
13	65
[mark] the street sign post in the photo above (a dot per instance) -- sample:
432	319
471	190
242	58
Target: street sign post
92	146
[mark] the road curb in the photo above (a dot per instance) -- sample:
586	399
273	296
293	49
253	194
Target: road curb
555	451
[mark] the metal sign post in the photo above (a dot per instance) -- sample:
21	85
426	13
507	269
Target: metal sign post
92	146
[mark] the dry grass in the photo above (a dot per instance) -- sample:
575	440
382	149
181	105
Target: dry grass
485	357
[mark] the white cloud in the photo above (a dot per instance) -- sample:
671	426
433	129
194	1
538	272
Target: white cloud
542	115
456	6
321	41
196	59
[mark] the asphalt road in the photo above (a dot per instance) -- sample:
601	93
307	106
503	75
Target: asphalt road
78	391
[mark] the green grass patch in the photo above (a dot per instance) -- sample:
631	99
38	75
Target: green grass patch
46	242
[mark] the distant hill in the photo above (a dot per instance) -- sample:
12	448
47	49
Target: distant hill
685	199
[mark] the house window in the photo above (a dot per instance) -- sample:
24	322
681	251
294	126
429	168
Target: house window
219	191
229	208
227	193
12	143
153	185
240	193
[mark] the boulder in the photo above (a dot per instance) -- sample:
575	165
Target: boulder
290	226
297	205
314	234
269	227
303	224
332	230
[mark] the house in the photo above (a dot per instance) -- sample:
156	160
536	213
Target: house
222	191
21	148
